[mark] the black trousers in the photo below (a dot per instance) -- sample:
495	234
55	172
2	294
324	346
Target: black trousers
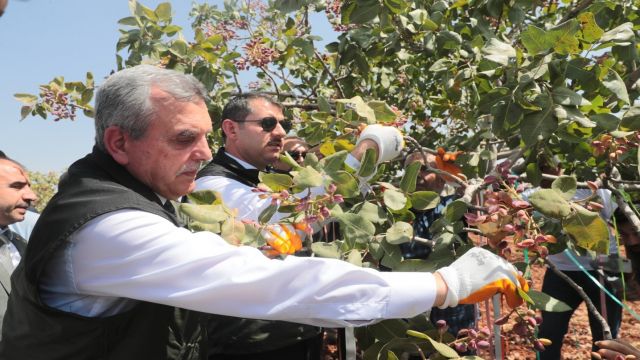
555	324
309	349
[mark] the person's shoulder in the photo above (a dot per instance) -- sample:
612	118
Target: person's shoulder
214	182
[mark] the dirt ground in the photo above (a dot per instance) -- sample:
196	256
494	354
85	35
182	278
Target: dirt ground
577	342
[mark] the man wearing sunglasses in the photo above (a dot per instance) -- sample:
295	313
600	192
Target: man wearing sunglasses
255	132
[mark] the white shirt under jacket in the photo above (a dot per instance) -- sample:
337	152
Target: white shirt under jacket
124	256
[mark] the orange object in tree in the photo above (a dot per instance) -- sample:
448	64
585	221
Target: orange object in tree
445	161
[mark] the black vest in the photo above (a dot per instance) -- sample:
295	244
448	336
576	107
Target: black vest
94	185
231	335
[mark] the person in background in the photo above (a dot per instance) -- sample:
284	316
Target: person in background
108	259
16	197
631	240
555	324
296	147
457	317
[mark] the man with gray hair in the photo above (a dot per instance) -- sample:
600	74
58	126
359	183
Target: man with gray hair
108	260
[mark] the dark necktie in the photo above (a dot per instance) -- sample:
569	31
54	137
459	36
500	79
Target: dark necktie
168	206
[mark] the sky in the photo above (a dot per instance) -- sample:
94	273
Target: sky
41	39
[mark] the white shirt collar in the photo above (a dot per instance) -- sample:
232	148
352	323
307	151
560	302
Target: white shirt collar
244	164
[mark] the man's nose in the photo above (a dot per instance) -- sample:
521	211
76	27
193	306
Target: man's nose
279	130
202	152
29	195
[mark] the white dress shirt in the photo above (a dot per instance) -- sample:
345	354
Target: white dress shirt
125	256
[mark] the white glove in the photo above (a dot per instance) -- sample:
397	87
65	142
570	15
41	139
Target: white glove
388	138
478	275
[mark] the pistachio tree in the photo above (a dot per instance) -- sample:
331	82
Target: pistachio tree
503	92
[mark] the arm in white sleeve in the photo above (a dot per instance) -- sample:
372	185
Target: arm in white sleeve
138	255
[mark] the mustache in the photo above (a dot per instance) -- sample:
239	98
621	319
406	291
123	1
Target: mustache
192	166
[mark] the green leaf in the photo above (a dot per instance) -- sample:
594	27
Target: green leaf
455	210
355	258
276	182
550	203
565	37
545	302
287	6
565	96
614	83
631	119
361	108
498	51
534	175
326	250
535	40
441	348
372	212
128	21
307	177
588	230
208	214
334	162
205	197
591	32
565	185
395	6
266	214
356	228
608	122
347	185
388	330
622	34
574	115
179	48
163	11
424	200
359	11
368	163
25	111
538	126
26	98
383	112
394	200
199	226
399	233
408	181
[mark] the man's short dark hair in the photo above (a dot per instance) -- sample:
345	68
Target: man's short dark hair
238	108
2	155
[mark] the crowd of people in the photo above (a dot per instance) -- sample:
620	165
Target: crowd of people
109	265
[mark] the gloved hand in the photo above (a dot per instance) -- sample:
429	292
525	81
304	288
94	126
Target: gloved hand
282	238
388	138
479	274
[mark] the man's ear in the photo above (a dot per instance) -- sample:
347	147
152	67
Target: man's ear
229	128
115	143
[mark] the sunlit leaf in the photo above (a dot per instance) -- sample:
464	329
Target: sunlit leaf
394	199
545	302
550	203
399	233
410	177
424	200
566	186
588	230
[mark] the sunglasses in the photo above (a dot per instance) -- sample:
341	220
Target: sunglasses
297	154
269	123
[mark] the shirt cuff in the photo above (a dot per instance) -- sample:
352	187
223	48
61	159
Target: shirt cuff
411	293
352	163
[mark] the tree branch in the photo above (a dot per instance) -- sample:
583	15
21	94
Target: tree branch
606	331
333	78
